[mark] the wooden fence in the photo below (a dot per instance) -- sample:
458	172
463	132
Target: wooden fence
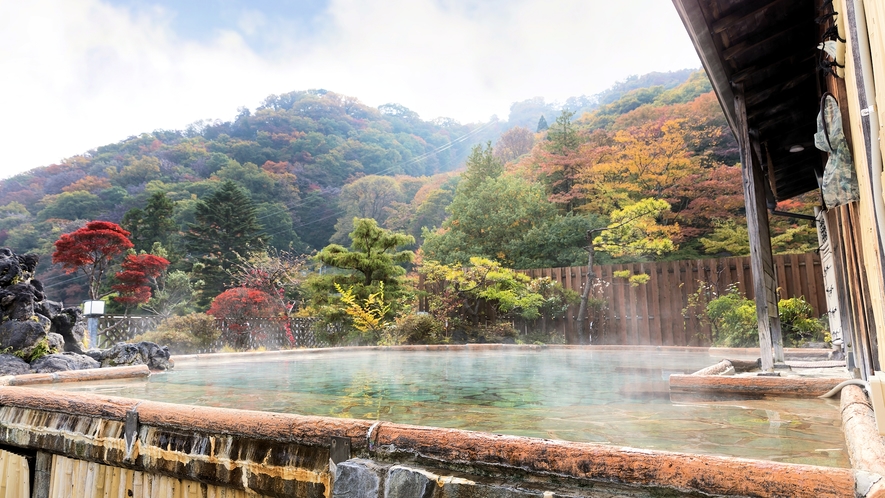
652	313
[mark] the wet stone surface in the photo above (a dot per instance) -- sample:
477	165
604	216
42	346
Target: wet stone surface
356	478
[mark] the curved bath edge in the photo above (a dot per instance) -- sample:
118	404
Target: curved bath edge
761	386
106	373
866	447
168	436
429	347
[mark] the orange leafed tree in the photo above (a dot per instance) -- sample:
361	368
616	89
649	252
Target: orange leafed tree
514	143
644	161
89	183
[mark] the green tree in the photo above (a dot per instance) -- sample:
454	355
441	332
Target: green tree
556	243
138	171
71	206
26	238
482	165
366	197
277	222
175	295
13	215
563	136
491	220
225	226
466	289
372	255
728	238
371	266
153	224
260	185
633	231
542	124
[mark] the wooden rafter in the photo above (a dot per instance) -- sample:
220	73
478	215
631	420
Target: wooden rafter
744	15
744	46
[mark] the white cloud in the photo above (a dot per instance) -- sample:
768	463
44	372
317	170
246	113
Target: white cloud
81	73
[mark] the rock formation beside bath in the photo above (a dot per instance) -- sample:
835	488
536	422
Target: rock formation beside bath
39	335
153	355
30	325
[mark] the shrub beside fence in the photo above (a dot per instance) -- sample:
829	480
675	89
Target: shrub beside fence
621	313
652	313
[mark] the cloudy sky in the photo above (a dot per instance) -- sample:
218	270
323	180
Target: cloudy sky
77	74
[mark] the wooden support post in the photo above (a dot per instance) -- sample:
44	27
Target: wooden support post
761	261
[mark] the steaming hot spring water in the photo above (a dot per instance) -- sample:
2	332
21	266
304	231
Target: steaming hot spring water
611	397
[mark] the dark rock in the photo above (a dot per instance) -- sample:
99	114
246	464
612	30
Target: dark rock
459	336
17	301
13	365
20	335
10	269
28	263
126	354
18	291
48	308
69	324
56	342
60	362
402	482
356	478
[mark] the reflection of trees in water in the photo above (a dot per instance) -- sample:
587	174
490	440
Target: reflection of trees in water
363	394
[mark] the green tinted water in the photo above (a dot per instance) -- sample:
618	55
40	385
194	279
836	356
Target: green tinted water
611	397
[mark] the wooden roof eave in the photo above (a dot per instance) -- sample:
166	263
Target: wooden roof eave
699	32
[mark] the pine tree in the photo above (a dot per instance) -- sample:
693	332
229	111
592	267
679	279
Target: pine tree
225	226
152	224
373	253
563	136
542	124
482	165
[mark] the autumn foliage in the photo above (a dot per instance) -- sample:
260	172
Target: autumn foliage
240	304
138	275
90	249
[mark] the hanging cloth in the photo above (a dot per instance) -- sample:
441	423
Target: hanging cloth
839	185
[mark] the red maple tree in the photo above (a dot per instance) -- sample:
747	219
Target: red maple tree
240	306
91	249
138	275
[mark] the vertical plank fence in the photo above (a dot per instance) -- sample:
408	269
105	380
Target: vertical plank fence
652	313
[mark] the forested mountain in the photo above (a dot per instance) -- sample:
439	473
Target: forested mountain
304	164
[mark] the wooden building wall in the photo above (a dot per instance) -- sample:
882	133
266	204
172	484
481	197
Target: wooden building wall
856	229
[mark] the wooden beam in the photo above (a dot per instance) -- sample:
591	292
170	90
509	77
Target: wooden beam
784	92
760	181
778	62
720	25
760	238
741	47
